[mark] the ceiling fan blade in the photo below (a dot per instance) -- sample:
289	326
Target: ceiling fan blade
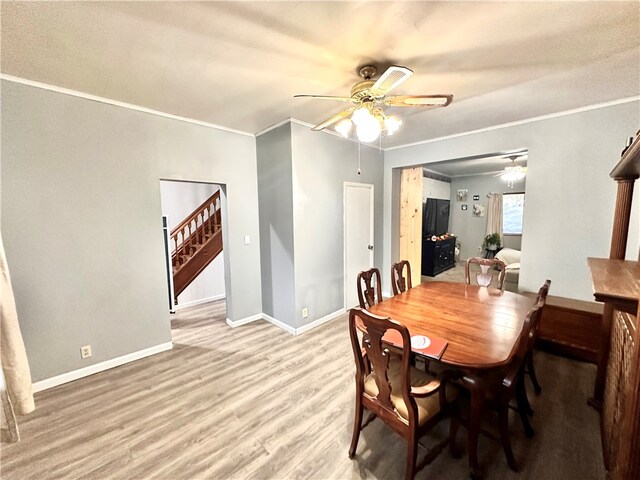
390	79
325	97
419	100
337	117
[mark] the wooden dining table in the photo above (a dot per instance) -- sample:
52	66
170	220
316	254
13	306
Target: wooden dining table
481	326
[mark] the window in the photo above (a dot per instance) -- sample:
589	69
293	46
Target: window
512	210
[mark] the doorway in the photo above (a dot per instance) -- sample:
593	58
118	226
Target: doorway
193	221
358	236
456	197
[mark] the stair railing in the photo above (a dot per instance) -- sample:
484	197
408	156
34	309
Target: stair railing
192	232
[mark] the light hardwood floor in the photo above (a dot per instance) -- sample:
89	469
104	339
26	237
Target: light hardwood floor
256	402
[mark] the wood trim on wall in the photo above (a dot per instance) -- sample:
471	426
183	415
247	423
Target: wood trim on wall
570	328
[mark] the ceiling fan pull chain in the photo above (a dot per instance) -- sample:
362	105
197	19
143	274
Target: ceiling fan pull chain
359	171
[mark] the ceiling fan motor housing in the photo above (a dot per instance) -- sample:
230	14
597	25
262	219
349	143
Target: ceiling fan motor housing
368	72
361	89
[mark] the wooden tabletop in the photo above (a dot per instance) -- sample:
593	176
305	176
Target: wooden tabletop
481	324
616	281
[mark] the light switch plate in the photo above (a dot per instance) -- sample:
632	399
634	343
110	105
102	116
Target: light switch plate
247	240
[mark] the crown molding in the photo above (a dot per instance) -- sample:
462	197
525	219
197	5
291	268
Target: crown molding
130	106
117	103
274	126
521	122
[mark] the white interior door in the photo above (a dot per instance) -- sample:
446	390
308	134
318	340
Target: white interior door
358	236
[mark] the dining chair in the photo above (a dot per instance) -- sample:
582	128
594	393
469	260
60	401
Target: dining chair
484	277
529	366
399	282
369	288
507	384
403	397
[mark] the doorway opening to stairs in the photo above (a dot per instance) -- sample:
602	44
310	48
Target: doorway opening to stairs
193	216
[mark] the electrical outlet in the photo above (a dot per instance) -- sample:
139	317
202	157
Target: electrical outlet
305	312
85	352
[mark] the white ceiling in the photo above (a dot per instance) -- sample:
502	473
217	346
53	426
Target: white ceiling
238	64
480	165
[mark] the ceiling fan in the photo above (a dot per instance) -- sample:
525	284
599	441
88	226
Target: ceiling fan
368	97
513	173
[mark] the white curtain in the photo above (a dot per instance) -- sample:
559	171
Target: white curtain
15	384
494	215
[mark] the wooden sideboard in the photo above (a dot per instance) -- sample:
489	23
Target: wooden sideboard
438	256
616	283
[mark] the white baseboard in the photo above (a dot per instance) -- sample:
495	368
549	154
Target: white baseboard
243	321
180	306
278	323
99	367
320	321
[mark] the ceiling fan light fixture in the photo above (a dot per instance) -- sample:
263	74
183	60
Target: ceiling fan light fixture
513	173
392	125
368	130
367	99
344	127
361	116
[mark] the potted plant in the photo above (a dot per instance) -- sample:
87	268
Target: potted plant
492	241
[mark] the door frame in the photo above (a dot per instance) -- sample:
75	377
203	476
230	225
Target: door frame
225	232
371	188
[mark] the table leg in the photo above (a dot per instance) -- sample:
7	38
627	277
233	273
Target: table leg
478	406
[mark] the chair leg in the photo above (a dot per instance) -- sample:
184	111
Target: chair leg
412	453
532	374
523	407
453	431
522	398
356	426
503	419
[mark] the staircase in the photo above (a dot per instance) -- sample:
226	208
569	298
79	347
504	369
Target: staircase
196	242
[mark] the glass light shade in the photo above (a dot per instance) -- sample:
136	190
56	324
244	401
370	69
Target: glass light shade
368	130
513	174
344	127
361	116
392	125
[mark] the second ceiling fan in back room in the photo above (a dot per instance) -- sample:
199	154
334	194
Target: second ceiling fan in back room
513	173
368	99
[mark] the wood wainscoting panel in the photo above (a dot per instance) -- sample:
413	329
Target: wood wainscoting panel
571	328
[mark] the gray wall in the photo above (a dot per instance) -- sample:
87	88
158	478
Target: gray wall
81	221
275	197
570	196
321	165
471	230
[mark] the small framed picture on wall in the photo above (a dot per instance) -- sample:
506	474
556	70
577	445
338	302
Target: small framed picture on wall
462	195
476	198
478	210
463	207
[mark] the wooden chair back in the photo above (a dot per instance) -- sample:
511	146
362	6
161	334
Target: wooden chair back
488	264
399	282
544	291
523	345
541	300
369	288
373	356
